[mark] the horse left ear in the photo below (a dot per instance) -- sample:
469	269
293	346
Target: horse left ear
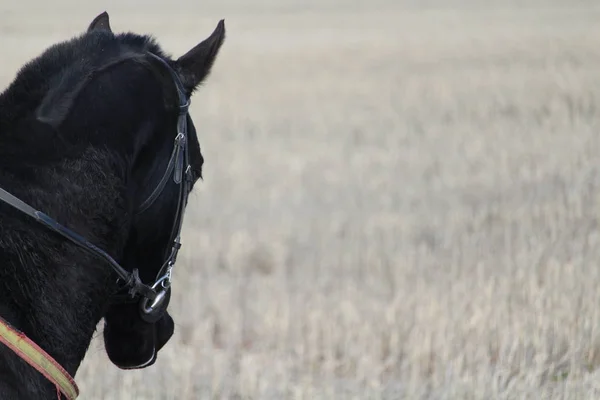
101	22
195	65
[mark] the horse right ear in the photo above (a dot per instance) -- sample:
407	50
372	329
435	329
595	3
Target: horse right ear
195	65
100	23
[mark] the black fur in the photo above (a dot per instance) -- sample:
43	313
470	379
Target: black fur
86	131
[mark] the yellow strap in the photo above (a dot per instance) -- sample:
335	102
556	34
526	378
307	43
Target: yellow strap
39	359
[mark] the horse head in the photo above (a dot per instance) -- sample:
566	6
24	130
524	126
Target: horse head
95	133
133	338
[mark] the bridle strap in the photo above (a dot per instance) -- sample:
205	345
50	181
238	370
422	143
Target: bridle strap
35	356
132	279
165	178
179	161
44	219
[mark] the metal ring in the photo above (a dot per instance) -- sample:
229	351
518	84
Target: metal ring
165	283
160	296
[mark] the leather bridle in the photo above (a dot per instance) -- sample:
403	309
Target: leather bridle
152	298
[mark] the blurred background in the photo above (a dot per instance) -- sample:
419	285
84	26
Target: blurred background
400	201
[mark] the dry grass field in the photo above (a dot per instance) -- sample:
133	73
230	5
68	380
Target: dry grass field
399	202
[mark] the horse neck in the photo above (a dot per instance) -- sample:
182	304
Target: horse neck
59	313
49	288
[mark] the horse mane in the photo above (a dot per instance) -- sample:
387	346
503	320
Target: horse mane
63	69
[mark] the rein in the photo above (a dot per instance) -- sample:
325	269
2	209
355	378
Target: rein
151	297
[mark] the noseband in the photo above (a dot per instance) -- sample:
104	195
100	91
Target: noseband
151	297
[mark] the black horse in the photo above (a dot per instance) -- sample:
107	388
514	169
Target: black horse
91	136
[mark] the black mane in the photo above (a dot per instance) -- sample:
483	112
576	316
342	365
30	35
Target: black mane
64	67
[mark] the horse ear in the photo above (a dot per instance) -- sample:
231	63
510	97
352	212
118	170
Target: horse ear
101	22
195	65
57	103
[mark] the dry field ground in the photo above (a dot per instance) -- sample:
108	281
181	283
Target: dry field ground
399	202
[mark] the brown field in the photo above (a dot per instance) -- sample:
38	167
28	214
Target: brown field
399	202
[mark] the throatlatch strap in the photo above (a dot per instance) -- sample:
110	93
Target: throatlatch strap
35	356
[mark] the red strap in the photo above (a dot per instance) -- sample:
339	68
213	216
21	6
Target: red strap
14	339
